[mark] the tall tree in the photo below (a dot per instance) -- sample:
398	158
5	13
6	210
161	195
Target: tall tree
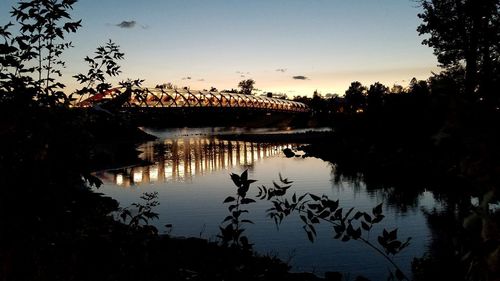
465	33
375	96
355	97
246	86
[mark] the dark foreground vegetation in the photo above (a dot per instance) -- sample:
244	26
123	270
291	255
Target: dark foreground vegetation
443	130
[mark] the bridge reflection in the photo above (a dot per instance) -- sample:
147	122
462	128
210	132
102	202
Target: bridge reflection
177	160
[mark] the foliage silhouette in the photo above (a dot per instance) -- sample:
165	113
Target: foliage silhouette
246	86
138	215
231	229
350	225
312	210
355	97
464	33
43	26
103	63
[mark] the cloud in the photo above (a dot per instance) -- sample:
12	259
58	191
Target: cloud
186	78
300	77
201	80
127	24
282	70
242	76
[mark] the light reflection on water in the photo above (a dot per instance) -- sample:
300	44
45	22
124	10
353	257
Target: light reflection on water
191	175
179	160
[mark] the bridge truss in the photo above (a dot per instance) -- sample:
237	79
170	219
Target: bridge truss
176	98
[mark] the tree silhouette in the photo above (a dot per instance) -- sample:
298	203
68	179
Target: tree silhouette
375	97
465	33
246	86
40	43
355	97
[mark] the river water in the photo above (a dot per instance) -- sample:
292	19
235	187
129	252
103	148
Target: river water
191	170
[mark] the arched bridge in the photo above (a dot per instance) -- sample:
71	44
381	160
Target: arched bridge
175	98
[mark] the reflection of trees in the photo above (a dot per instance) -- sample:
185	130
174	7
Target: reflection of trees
401	198
181	159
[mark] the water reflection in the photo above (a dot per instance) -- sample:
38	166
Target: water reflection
179	160
191	174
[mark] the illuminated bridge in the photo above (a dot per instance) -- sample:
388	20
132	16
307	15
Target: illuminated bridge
183	99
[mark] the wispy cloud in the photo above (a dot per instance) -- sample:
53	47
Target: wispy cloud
186	78
127	24
282	70
300	77
201	79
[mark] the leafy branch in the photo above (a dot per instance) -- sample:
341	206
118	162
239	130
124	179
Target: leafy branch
103	63
349	225
231	228
138	215
43	25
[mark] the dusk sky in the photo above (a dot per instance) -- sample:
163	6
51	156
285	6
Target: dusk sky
287	46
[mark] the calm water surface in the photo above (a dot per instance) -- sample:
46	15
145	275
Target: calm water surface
190	172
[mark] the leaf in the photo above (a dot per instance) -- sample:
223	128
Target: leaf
381	241
350	230
314	206
358	215
324	214
260	192
228	218
394	245
294	198
302	197
333	205
357	233
236	179
345	238
247	221
304	219
365	226
378	219
310	214
314	197
339	229
247	201
367	217
229	199
338	214
310	236
311	227
244	175
377	211
393	235
250	181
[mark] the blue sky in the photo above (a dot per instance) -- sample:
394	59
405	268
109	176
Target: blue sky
221	42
